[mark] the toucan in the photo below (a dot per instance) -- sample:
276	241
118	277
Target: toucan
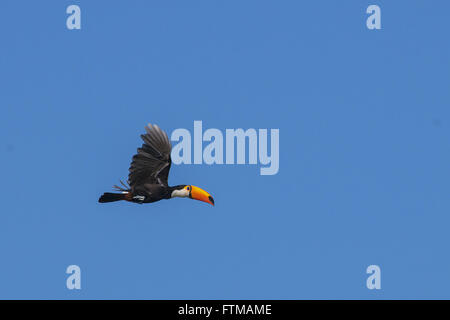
148	174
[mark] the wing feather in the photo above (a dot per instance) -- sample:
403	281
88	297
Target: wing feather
151	163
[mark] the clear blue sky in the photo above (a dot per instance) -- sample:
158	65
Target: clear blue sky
364	119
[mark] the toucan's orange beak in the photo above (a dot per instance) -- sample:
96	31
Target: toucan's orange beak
200	194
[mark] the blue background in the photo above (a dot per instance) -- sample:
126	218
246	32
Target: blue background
364	148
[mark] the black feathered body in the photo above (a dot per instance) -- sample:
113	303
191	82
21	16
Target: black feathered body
152	192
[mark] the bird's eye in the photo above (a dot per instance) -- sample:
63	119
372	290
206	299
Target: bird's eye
188	188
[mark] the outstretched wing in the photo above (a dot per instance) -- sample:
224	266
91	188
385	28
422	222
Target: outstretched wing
152	162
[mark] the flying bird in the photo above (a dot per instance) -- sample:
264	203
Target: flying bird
148	174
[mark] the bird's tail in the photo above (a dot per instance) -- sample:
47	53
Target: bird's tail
111	197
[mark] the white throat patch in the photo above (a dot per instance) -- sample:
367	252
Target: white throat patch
180	193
